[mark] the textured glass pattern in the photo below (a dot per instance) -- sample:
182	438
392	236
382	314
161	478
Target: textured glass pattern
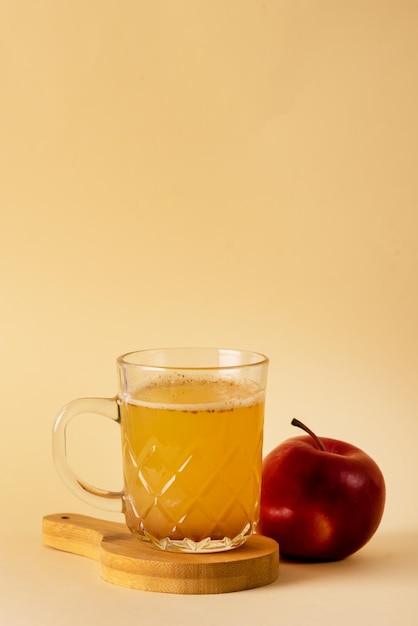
192	478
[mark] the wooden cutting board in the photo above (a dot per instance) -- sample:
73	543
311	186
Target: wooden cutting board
124	560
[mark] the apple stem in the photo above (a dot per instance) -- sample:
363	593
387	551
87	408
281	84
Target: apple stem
296	422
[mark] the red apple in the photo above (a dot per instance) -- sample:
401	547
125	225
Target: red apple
321	499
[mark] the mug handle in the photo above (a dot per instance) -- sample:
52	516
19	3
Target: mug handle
101	498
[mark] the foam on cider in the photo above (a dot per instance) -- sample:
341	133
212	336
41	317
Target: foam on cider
187	393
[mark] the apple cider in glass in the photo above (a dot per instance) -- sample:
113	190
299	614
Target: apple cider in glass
191	423
192	454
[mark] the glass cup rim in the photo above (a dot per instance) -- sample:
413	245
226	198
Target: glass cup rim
249	358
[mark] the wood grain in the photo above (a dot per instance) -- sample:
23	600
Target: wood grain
124	560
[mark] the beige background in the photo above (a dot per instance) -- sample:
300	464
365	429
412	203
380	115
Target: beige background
236	174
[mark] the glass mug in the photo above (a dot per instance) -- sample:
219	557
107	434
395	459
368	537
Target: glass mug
192	434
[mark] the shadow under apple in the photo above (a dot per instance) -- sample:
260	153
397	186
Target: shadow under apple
393	553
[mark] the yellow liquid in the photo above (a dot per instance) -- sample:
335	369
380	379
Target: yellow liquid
192	453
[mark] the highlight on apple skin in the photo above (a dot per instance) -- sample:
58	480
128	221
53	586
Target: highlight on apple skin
321	499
